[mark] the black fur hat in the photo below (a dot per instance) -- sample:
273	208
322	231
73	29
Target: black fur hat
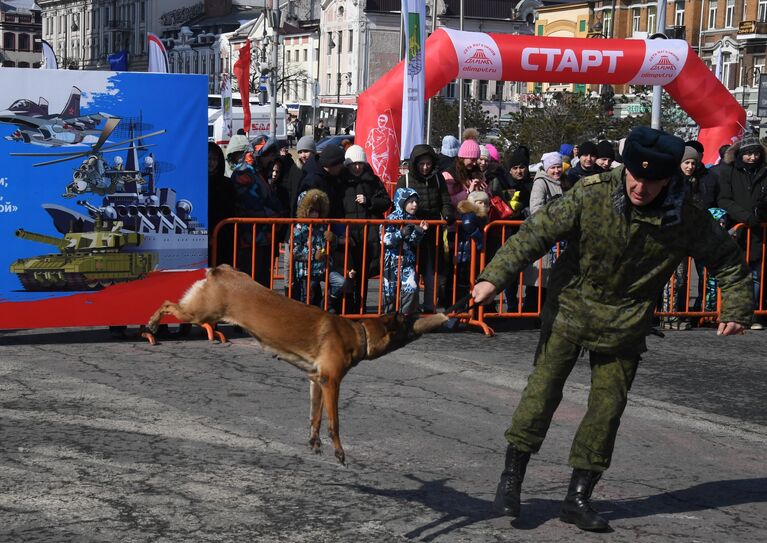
651	154
520	157
605	150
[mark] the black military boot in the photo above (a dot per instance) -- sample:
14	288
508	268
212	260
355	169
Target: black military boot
576	508
508	494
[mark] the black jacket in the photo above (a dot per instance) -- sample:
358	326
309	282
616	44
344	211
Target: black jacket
434	199
740	191
345	196
316	177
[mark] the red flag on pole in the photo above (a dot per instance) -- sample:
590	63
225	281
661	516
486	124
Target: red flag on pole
242	73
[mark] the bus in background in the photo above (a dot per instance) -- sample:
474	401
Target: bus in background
260	118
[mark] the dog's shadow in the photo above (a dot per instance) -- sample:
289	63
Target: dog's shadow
459	509
705	496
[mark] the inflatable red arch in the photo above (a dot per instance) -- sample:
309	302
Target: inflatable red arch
475	55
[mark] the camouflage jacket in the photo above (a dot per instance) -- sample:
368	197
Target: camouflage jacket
604	286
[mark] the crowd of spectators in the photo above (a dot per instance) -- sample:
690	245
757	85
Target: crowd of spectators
462	183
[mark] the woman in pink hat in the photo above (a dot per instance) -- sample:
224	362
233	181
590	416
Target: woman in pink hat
465	177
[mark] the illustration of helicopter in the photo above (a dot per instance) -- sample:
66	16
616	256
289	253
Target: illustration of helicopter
95	174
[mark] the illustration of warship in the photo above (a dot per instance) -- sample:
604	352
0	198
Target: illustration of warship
86	260
132	197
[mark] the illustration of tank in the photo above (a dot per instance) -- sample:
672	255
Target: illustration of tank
86	260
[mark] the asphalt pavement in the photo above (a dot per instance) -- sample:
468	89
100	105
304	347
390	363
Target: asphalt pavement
103	439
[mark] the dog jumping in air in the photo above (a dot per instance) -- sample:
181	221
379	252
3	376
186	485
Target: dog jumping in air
323	345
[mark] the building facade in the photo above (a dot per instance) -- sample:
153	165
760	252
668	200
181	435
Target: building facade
20	27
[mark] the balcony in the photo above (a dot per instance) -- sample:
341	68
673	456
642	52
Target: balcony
676	32
752	30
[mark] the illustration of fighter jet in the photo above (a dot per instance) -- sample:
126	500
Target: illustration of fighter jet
35	125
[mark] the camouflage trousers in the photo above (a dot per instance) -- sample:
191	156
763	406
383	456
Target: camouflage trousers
611	378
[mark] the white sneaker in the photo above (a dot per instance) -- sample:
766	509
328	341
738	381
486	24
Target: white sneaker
757	326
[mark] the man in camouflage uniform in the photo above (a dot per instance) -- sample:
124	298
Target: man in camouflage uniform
626	231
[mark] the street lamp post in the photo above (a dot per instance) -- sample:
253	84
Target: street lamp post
752	73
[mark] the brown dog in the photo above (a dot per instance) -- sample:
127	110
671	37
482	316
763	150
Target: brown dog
325	346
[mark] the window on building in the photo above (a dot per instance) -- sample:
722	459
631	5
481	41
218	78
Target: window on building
728	73
652	19
679	13
340	43
636	18
712	5
23	64
330	43
761	14
328	90
306	55
303	88
9	64
450	90
607	22
351	41
467	85
23	42
757	71
316	52
500	86
142	12
483	89
9	41
729	15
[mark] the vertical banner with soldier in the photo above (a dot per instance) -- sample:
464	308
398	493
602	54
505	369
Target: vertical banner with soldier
414	16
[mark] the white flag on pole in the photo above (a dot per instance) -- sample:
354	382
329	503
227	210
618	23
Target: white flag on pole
226	105
158	58
414	22
49	57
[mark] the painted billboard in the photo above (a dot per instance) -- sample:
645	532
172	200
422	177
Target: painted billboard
103	194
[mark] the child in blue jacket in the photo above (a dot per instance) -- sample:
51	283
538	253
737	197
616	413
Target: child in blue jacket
400	241
314	204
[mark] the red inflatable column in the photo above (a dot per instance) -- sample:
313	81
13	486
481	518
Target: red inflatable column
379	108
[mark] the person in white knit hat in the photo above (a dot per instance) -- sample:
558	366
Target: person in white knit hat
547	185
359	194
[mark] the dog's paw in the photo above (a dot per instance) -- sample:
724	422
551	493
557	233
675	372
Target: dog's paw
315	444
341	456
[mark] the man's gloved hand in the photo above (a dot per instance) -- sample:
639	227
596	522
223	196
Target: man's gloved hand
407	230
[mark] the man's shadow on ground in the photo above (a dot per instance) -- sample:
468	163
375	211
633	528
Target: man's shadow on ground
460	509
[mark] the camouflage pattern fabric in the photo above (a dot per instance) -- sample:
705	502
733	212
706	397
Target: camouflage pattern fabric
618	258
611	378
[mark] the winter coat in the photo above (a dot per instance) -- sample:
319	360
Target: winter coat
501	184
457	191
400	247
740	190
305	249
576	172
604	286
473	221
544	190
221	193
254	199
433	198
317	177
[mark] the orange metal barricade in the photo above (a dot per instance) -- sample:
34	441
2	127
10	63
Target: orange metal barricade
446	268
